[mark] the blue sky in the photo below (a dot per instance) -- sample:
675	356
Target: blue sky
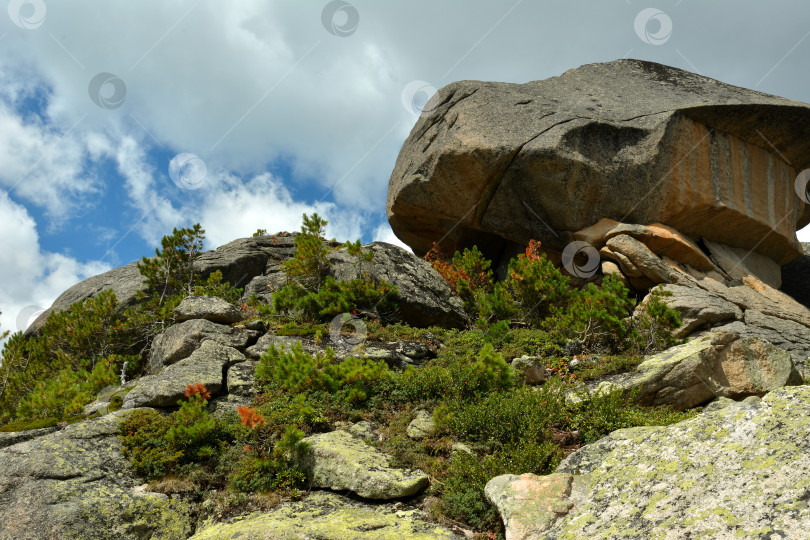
292	107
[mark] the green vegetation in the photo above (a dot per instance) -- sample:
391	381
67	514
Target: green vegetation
310	295
84	348
236	461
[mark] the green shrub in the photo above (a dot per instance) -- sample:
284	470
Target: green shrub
654	323
82	345
312	295
353	379
454	377
462	489
158	444
600	413
267	473
171	270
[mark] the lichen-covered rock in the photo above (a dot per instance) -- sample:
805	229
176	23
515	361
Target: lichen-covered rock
529	504
716	364
242	379
531	367
338	460
14	437
328	516
421	426
211	308
738	263
180	340
739	472
75	484
205	366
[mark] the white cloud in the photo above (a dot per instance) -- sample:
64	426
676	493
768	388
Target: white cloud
43	166
233	208
383	233
30	276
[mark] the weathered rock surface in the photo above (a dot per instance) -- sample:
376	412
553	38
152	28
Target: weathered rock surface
205	366
14	437
329	516
529	504
242	379
210	308
424	297
421	426
532	368
75	483
340	461
125	281
542	160
739	472
739	263
699	308
714	365
179	340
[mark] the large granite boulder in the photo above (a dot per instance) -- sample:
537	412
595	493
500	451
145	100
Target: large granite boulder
495	164
125	281
742	471
75	483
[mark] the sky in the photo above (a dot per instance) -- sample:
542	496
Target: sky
122	120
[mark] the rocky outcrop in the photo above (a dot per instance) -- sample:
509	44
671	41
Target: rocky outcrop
179	340
498	163
739	472
75	483
209	308
340	461
125	282
717	364
424	297
206	365
329	516
255	264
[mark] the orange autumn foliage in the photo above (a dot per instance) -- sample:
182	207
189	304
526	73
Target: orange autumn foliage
197	389
250	417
